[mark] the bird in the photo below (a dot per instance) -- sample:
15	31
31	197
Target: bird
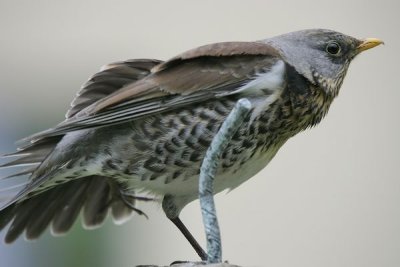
144	126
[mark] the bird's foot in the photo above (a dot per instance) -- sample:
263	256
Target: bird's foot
130	198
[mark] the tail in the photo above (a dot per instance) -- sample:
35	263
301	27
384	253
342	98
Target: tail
60	206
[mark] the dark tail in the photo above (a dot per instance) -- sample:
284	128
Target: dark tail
60	206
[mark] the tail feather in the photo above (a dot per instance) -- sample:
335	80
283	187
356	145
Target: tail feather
20	173
96	206
31	154
61	205
40	146
25	160
69	206
120	211
41	220
6	216
21	220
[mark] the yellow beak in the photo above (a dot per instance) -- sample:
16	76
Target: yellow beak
368	43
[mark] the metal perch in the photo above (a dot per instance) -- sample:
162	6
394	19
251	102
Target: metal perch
207	173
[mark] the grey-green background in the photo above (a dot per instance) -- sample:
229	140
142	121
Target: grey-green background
329	198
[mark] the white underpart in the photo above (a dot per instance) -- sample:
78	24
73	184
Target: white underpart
186	190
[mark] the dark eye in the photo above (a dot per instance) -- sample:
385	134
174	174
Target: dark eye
333	48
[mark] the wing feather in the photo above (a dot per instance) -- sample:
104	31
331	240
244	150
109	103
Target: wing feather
195	76
111	78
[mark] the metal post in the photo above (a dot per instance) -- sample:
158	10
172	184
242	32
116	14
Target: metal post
207	173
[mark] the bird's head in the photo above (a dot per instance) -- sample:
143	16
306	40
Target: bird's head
322	56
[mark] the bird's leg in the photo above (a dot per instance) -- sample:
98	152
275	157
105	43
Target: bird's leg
171	209
189	237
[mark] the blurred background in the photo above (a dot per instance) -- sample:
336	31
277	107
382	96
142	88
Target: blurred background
329	198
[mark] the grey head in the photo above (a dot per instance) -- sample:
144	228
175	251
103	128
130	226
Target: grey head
322	56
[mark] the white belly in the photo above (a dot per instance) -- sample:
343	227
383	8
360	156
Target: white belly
230	179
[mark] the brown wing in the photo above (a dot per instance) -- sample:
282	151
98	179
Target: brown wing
110	79
202	68
195	76
224	49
